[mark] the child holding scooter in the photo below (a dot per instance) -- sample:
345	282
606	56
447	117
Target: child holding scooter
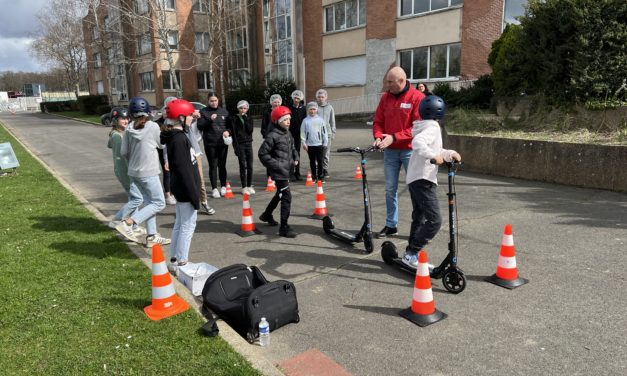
422	176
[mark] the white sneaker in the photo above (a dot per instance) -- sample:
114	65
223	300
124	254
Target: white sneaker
410	260
127	231
251	190
172	267
170	200
222	191
152	240
215	193
139	230
245	191
113	223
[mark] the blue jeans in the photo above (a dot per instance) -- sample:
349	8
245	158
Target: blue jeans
425	217
134	200
183	230
393	159
152	196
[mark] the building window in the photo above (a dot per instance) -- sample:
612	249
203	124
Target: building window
200	6
173	40
168	4
431	63
345	15
141	6
168	82
512	10
201	42
204	81
146	81
237	43
99	87
409	7
277	31
144	46
97	60
348	71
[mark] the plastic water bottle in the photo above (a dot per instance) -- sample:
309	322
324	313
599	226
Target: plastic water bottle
264	332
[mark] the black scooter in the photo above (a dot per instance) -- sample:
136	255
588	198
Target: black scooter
365	234
453	277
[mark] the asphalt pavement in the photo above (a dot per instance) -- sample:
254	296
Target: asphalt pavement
571	317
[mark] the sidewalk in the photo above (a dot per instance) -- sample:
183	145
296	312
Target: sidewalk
570	318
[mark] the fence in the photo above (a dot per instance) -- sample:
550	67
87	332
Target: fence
21	104
356	105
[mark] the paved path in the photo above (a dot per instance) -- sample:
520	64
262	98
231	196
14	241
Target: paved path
570	243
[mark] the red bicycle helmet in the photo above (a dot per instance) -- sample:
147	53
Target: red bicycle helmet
178	107
279	112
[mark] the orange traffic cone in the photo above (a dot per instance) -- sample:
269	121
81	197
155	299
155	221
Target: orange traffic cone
165	302
358	173
248	225
270	187
229	192
422	311
321	205
506	270
309	182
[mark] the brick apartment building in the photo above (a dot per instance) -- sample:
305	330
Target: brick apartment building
344	46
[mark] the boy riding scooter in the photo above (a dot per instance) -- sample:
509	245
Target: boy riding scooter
422	176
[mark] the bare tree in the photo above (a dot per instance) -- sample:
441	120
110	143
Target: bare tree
60	40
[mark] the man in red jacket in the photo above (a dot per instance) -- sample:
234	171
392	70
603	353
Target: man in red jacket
391	129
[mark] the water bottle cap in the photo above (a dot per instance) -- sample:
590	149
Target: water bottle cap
263	319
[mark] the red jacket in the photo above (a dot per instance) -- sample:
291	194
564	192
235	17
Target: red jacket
395	115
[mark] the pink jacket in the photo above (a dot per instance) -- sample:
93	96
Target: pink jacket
395	116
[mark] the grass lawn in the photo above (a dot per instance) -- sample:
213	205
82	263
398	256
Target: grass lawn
74	294
81	116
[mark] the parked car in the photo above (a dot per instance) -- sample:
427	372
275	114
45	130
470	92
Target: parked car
106	119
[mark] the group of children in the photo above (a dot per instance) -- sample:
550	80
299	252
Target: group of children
136	164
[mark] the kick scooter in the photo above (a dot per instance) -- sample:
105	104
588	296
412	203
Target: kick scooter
365	234
452	276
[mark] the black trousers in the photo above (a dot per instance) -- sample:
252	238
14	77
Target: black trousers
316	161
245	158
425	216
283	195
216	156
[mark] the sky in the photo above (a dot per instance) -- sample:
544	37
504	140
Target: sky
17	23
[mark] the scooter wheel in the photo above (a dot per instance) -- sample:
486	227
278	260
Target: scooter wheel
327	225
388	252
368	244
454	281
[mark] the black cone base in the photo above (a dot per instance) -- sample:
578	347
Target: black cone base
245	234
507	283
422	320
317	216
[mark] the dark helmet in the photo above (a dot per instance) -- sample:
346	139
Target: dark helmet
138	107
117	113
279	112
178	107
432	107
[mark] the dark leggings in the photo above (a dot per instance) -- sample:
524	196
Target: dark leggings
316	160
166	174
283	195
425	216
216	155
245	158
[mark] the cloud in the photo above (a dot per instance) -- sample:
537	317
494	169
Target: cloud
14	56
17	24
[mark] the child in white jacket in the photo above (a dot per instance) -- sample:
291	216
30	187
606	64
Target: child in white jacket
422	176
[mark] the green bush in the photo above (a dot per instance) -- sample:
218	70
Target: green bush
479	95
251	91
88	104
281	87
103	109
59	106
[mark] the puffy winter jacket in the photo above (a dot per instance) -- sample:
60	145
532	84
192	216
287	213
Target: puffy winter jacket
395	115
212	130
277	153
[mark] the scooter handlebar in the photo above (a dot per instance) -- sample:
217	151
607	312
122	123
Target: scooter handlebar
450	164
356	149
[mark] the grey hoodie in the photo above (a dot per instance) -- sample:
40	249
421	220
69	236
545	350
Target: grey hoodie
139	147
327	113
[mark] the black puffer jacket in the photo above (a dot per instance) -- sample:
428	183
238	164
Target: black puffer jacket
184	175
212	130
266	123
298	114
277	153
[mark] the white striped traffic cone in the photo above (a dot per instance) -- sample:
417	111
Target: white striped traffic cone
248	225
320	210
165	302
506	269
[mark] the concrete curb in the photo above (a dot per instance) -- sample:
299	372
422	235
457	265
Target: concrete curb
251	353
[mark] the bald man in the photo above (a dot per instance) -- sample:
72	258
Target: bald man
391	129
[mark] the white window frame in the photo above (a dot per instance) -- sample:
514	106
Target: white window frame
143	45
447	77
141	6
201	39
97	60
171	34
166	79
168	4
451	4
147	78
201	5
99	87
347	71
361	19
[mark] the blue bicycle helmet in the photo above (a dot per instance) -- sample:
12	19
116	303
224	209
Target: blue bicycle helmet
138	107
432	107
